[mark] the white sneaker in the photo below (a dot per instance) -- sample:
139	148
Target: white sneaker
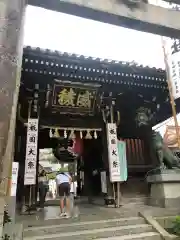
62	214
67	215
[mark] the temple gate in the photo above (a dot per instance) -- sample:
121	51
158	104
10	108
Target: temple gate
77	96
12	17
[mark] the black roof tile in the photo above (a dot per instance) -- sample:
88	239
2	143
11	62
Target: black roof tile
79	57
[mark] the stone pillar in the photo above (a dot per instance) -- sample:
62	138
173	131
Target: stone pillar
11	22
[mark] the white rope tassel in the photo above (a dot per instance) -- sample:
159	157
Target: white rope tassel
95	134
81	134
88	135
65	134
50	133
72	135
56	133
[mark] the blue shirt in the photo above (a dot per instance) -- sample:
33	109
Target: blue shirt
62	178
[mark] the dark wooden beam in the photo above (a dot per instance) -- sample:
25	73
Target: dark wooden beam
146	17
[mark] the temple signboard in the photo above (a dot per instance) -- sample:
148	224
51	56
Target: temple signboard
73	98
172	52
113	154
14	178
31	152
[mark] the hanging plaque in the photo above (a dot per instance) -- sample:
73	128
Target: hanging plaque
114	164
31	152
74	98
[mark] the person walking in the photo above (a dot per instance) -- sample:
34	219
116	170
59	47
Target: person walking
43	186
63	181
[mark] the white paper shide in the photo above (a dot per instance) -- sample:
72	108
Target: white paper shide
114	164
31	152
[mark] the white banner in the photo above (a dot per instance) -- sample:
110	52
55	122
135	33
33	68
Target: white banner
172	49
14	177
114	164
31	152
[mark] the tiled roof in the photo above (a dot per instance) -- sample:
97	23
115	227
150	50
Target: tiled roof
78	68
55	54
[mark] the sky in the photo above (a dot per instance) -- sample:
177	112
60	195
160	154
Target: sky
66	33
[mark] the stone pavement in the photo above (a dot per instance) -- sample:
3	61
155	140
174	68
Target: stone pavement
87	213
93	212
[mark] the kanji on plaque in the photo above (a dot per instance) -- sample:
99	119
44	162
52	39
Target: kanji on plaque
32	125
84	100
73	98
31	164
112	131
114	152
114	166
32	138
31	152
67	97
172	52
113	141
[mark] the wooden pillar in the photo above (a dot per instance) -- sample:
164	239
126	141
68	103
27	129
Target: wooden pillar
106	162
11	20
78	176
36	187
20	157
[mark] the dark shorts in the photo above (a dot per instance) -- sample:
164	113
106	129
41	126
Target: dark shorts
64	189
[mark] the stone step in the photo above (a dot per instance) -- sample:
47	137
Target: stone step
79	226
56	220
139	236
94	233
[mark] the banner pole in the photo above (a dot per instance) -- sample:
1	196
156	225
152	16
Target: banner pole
172	102
118	194
113	184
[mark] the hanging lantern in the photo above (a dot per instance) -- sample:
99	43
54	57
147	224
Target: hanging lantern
65	133
56	133
50	133
72	135
81	134
95	134
88	135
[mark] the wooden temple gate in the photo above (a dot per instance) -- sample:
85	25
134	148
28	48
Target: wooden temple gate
48	75
10	76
